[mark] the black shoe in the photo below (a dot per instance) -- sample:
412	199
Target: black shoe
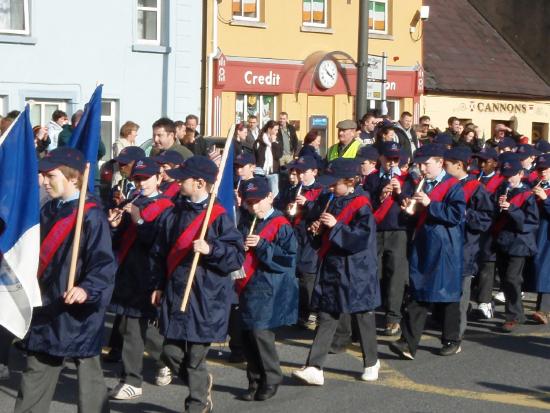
113	356
250	394
450	348
401	348
266	392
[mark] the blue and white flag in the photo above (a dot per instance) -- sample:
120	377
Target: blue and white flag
87	133
19	226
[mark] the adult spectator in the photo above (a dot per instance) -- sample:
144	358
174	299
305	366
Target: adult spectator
406	134
468	138
192	140
502	131
8	120
180	131
385	132
191	124
127	137
164	138
267	149
453	128
422	129
288	138
41	140
368	126
59	118
347	145
241	143
65	135
253	129
312	143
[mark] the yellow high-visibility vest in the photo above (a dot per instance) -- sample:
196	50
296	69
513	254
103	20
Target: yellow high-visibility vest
349	152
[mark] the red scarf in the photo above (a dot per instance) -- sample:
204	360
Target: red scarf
384	208
148	214
311	195
517	200
251	262
56	237
172	189
437	195
184	244
345	216
494	183
469	188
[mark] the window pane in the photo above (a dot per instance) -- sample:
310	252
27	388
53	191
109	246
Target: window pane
249	8
49	109
267	108
237	10
319	11
12	15
239	109
306	11
147	25
147	3
105	108
106	137
35	115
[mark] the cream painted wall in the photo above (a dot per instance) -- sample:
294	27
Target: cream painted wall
440	108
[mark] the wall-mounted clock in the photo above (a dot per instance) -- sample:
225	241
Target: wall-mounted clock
327	74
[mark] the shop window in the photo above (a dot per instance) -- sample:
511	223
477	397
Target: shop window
539	131
109	126
246	10
314	13
495	122
41	111
262	106
392	106
3	105
378	16
148	22
14	16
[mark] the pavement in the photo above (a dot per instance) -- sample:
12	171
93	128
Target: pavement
495	372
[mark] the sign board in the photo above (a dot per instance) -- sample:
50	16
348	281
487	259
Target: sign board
374	90
375	68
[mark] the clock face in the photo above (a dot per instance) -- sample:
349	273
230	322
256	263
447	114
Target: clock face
327	74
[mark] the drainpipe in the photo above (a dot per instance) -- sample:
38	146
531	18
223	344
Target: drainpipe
210	82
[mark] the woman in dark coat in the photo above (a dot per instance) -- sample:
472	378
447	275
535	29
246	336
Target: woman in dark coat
312	142
267	149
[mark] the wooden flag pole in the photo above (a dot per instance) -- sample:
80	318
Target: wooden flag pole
213	194
78	227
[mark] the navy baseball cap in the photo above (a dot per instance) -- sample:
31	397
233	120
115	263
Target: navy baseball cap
245	159
525	150
428	151
486	153
403	158
195	167
443	139
510	167
462	154
129	154
385	124
368	153
507	142
170	156
146	168
63	156
340	168
255	189
543	146
303	163
543	161
391	150
506	156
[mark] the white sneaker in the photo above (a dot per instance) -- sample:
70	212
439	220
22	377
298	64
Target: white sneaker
371	373
310	375
500	297
486	309
124	391
163	377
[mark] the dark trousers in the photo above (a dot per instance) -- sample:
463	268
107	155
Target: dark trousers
189	360
510	269
6	339
136	332
486	282
115	339
543	302
393	271
465	303
343	334
324	334
263	365
40	378
414	321
306	282
235	331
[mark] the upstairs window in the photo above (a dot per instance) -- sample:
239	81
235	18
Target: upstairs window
148	21
314	13
378	16
14	17
246	10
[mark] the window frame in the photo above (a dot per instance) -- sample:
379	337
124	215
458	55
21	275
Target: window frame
325	15
42	102
27	30
261	119
113	119
386	17
246	18
158	10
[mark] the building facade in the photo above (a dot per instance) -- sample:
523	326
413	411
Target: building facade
299	56
147	54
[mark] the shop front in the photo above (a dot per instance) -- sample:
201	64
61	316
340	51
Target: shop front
317	92
528	117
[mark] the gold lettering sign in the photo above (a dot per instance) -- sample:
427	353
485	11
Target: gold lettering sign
499	107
